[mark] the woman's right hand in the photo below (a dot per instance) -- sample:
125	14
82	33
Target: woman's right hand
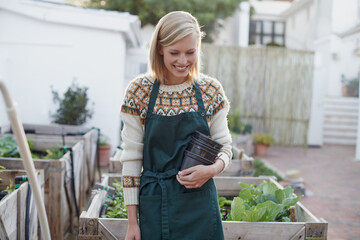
133	232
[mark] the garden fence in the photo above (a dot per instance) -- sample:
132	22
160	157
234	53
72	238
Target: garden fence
271	86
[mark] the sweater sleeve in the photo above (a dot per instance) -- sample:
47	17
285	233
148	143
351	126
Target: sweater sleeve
219	129
132	155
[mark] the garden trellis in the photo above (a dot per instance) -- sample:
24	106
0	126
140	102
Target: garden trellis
271	86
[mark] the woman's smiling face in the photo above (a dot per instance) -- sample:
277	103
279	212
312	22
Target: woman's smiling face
179	59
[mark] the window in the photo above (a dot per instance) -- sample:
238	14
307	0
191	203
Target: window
265	32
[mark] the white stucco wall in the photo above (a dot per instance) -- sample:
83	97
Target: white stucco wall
345	14
35	55
299	32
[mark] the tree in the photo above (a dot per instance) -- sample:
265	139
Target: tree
150	11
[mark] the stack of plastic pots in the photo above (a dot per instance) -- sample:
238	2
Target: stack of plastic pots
202	150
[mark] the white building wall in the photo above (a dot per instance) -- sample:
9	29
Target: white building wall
300	28
345	15
35	55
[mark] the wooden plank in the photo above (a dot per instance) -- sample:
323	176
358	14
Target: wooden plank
229	186
21	210
106	231
115	165
299	235
316	230
260	230
8	215
117	227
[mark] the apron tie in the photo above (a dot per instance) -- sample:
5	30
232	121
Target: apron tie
159	177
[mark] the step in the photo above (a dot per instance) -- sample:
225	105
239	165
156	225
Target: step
340	101
339	141
340	121
340	127
345	108
339	134
340	113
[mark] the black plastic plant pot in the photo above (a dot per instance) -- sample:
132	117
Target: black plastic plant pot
207	140
202	151
190	159
3	194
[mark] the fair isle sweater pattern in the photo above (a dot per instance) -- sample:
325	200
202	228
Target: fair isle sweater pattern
137	98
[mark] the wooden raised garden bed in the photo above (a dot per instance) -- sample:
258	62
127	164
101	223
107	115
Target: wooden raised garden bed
59	200
14	221
47	136
307	227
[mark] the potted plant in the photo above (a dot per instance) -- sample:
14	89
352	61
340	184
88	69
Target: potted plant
240	132
350	87
261	143
104	150
73	106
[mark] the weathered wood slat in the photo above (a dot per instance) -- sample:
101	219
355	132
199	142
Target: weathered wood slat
115	165
13	208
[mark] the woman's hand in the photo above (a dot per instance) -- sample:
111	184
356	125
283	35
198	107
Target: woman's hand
196	176
133	231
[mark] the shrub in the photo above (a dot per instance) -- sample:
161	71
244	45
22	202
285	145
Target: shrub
73	106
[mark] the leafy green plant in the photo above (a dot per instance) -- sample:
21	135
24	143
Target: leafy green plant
117	207
263	203
104	140
73	106
236	125
265	139
10	188
225	207
8	147
261	170
53	153
1	167
352	86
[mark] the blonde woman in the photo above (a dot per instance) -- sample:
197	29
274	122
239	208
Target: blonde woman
161	110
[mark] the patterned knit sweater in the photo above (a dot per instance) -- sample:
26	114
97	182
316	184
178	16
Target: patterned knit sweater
171	100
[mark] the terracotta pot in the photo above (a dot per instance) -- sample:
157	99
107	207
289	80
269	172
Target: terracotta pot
260	149
104	155
344	91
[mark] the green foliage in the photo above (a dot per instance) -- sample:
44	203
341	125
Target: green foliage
225	208
9	148
53	153
1	167
263	203
150	11
265	139
261	170
236	125
117	207
352	86
73	106
10	188
104	140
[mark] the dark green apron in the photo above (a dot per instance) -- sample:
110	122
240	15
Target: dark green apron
168	210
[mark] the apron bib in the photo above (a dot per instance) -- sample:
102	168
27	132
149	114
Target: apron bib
167	210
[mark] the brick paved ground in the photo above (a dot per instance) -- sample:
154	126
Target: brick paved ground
333	176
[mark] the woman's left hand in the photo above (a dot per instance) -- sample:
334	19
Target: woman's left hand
196	176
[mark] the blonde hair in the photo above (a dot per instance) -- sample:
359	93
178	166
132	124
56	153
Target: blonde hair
171	28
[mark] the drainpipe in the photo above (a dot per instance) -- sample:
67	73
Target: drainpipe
357	154
27	158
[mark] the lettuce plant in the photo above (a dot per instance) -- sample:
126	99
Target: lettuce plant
263	203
